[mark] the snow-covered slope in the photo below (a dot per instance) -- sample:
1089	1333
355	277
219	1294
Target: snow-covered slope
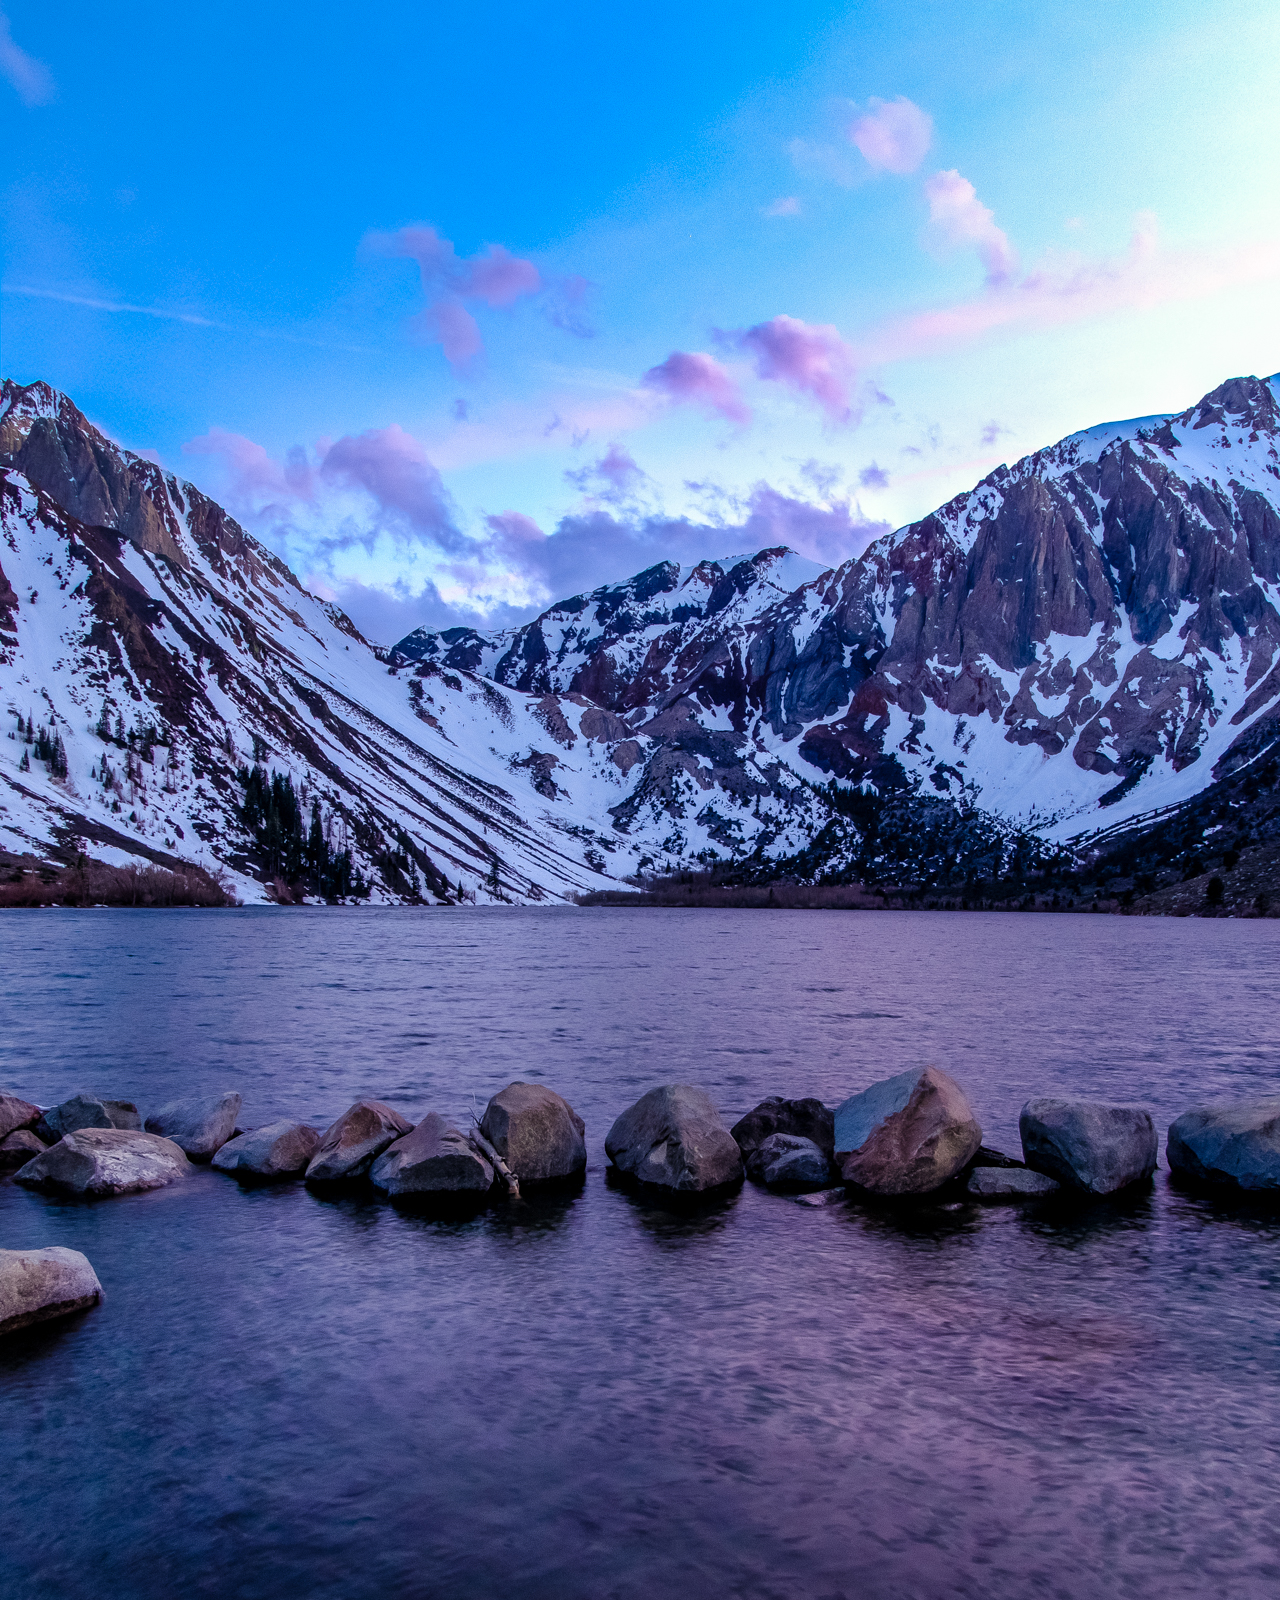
1086	636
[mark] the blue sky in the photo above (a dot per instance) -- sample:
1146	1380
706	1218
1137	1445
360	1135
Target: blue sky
462	312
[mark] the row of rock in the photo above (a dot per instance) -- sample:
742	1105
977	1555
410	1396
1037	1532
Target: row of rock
912	1134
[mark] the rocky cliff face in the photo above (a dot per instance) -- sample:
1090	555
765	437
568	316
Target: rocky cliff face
1090	635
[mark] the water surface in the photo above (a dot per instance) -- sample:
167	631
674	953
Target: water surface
595	1397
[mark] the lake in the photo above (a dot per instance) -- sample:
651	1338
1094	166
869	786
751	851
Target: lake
594	1396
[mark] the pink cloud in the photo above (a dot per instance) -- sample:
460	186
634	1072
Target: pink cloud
785	206
449	324
810	357
957	216
494	278
615	477
252	473
392	466
1067	288
893	135
828	533
514	531
698	379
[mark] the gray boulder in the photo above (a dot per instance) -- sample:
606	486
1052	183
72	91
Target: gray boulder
16	1113
673	1138
201	1125
349	1146
280	1150
1009	1183
1087	1145
786	1161
17	1148
906	1135
1235	1146
93	1162
989	1157
87	1111
36	1285
434	1159
539	1135
807	1119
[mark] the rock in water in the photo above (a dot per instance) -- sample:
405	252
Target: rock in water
1236	1146
787	1161
1009	1183
434	1159
105	1161
539	1135
201	1125
807	1119
906	1135
17	1148
280	1150
36	1285
988	1157
673	1138
15	1114
80	1111
1087	1145
349	1146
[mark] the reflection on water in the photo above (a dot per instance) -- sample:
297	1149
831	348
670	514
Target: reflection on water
585	1394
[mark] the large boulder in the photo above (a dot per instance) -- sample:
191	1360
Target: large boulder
200	1124
906	1135
36	1285
16	1113
1086	1145
538	1135
787	1161
105	1161
280	1150
434	1159
1235	1146
87	1111
673	1138
1009	1183
806	1119
17	1148
349	1146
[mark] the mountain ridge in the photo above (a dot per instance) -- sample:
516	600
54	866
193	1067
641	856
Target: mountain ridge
1086	637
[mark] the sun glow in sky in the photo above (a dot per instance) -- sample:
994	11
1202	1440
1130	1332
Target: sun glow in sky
463	310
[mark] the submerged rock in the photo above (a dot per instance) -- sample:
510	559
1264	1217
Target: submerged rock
1009	1183
16	1113
36	1285
806	1119
908	1134
200	1125
436	1158
97	1162
349	1146
539	1135
1088	1145
673	1138
1235	1146
787	1161
280	1150
989	1157
17	1148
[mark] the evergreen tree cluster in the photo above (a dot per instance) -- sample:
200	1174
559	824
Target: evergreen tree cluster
46	745
288	848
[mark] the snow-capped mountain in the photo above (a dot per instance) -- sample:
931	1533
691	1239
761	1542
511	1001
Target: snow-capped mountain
1086	636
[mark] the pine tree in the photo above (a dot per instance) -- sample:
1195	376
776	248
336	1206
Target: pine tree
25	764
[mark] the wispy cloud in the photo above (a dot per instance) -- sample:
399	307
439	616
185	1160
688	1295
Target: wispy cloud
893	135
957	216
1067	287
785	205
810	358
191	318
30	78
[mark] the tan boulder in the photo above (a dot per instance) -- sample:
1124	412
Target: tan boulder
908	1134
